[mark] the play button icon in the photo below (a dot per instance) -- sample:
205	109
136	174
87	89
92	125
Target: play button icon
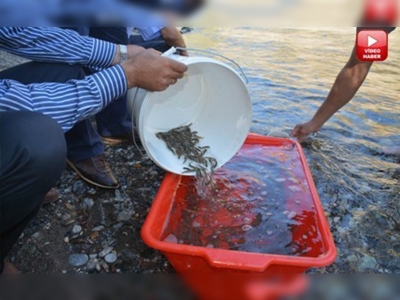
372	45
371	41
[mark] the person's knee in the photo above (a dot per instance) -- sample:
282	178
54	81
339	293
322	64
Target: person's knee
47	147
36	143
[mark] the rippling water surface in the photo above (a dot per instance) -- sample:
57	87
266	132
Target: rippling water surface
290	73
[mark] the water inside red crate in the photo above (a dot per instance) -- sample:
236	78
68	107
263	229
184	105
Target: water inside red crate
260	202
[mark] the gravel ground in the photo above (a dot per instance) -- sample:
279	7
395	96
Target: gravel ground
92	229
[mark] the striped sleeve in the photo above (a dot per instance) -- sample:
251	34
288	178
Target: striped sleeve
66	103
52	44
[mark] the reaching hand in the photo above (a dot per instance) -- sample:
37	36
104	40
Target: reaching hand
174	38
301	131
151	71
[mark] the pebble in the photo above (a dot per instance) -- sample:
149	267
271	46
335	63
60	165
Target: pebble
264	193
91	265
94	255
153	173
124	216
98	267
111	257
366	263
105	251
65	217
280	179
37	235
247	227
78	260
118	225
77	229
104	266
247	221
79	187
117	195
89	203
171	239
196	224
98	228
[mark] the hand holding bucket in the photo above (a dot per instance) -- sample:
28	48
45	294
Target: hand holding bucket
211	96
149	70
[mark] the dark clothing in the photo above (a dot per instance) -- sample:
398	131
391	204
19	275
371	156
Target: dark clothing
158	44
33	153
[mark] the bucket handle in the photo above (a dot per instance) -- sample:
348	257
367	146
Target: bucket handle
173	50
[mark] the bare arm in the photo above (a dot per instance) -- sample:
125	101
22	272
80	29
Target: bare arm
347	83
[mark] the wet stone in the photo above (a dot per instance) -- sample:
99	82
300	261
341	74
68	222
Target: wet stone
76	229
88	203
78	260
79	187
65	217
91	265
37	236
117	195
105	251
153	173
111	257
98	228
124	216
367	263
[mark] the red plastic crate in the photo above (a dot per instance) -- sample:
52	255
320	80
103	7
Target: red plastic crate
226	274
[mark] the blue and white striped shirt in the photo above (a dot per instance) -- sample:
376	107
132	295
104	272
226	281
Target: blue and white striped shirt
70	102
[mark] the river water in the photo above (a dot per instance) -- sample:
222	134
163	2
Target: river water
290	72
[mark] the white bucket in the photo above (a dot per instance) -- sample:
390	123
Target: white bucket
211	96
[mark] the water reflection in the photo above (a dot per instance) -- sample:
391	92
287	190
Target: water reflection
291	71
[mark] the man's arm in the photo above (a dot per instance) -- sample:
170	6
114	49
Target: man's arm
52	44
78	99
343	90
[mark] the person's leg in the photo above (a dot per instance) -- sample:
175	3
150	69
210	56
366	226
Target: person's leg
33	154
34	72
85	147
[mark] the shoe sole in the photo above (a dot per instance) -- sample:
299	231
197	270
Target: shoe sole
71	165
51	200
113	142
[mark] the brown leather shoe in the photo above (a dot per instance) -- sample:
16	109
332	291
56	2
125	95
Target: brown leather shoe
119	139
10	269
51	196
95	170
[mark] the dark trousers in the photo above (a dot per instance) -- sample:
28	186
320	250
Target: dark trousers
35	72
83	140
33	153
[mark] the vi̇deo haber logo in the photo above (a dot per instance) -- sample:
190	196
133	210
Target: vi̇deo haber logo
372	45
